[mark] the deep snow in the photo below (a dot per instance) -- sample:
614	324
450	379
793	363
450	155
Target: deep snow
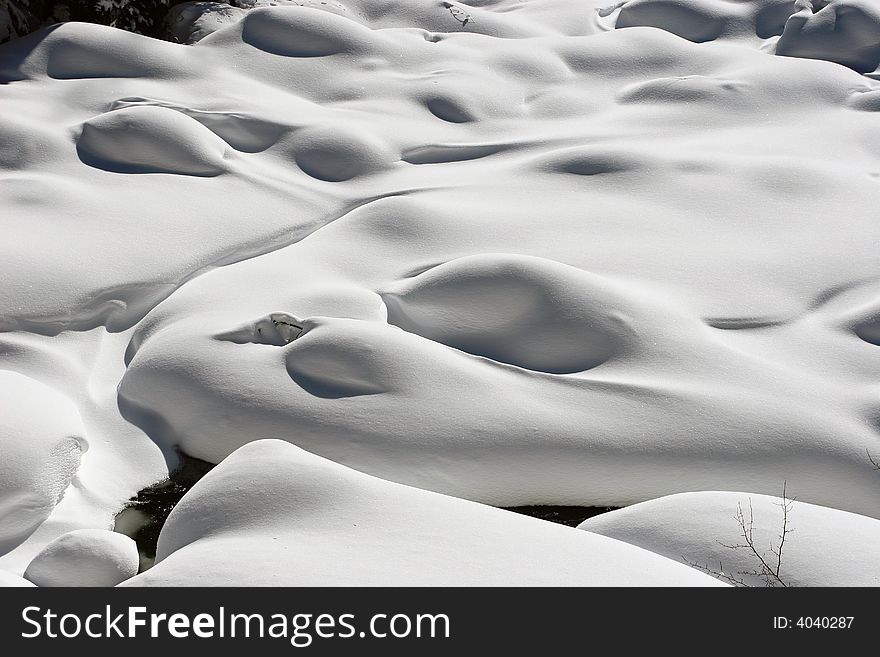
544	252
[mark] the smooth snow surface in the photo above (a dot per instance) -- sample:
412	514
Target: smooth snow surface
8	580
272	514
823	547
85	557
42	441
546	252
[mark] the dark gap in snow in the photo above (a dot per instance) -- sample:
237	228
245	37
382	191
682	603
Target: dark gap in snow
571	516
145	513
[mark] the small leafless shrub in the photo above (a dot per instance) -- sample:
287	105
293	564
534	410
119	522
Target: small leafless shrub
768	565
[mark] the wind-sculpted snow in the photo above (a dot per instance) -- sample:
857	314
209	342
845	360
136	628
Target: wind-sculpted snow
821	546
842	31
150	139
314	522
552	252
707	20
649	396
86	557
488	306
9	580
42	441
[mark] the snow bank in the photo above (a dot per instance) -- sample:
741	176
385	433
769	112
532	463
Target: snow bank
841	31
484	305
822	547
273	514
706	20
62	402
41	441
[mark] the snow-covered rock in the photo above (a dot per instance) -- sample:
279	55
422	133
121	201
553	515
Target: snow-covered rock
85	557
151	139
190	22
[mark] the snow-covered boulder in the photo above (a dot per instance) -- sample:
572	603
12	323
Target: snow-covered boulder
85	557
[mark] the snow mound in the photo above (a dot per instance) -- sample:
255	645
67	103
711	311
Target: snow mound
244	132
190	22
822	547
694	20
499	18
151	139
750	21
304	32
73	51
846	32
528	312
672	400
85	557
42	440
311	522
349	360
337	153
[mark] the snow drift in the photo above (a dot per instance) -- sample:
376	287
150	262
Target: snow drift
808	544
272	514
551	252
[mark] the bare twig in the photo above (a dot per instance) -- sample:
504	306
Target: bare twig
718	574
769	568
786	505
873	461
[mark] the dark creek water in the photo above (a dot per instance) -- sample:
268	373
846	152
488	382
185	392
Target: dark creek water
564	515
145	513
